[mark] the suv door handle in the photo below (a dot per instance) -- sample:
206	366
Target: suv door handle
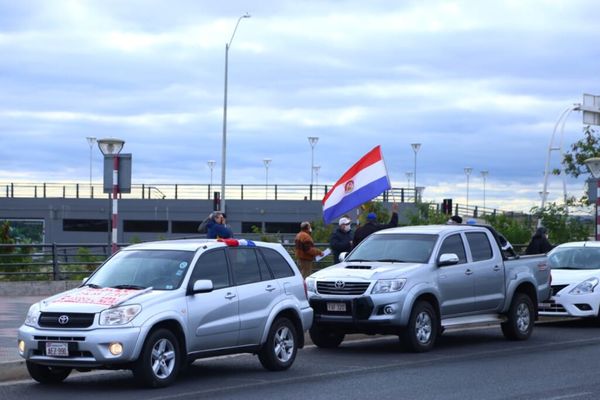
468	272
496	268
230	296
270	288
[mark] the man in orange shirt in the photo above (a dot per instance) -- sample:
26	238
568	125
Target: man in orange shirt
305	249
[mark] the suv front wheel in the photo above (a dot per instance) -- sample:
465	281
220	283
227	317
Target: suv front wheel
279	351
422	330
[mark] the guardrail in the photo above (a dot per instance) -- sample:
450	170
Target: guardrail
68	261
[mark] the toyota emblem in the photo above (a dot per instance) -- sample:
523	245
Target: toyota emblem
339	284
63	319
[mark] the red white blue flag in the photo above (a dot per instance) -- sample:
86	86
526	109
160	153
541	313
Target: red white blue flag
364	181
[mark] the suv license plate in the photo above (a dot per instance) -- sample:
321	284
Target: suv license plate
338	307
55	349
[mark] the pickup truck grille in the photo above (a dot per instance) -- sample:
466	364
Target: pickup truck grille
342	288
72	320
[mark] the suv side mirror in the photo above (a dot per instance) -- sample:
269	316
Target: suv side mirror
342	256
202	286
448	259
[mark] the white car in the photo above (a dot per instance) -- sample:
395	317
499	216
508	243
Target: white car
575	277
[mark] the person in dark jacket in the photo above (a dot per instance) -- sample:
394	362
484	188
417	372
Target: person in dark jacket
372	226
341	239
216	227
539	243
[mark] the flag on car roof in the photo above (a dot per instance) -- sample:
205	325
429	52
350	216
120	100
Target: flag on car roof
364	181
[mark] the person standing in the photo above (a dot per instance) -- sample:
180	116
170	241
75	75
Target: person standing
539	243
305	249
372	226
341	239
217	228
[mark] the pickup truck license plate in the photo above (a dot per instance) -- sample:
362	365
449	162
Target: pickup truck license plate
56	349
337	307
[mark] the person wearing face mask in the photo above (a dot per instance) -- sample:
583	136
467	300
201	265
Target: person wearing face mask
341	239
305	249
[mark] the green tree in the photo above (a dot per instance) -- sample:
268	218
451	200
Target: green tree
561	227
574	159
426	214
516	230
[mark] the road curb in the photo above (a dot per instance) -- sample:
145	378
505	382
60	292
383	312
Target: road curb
13	371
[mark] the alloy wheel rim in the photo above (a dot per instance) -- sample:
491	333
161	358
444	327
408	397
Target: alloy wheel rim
284	344
163	358
423	327
523	317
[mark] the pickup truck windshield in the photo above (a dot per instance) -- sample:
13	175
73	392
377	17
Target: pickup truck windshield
140	269
401	248
575	258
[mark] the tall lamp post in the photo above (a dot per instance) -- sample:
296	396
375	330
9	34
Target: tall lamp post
468	171
211	165
415	147
112	147
267	162
316	169
484	175
224	144
409	176
91	140
593	165
312	140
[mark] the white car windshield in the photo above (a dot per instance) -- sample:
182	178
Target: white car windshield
575	258
402	248
140	269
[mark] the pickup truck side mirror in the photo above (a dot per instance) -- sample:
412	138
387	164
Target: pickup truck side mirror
342	256
448	259
202	286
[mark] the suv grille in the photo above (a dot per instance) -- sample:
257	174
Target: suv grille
341	287
73	320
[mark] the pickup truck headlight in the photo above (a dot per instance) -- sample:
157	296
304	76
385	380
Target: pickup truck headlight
119	315
585	287
33	315
311	285
388	285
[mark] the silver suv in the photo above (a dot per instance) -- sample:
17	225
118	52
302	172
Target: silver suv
156	307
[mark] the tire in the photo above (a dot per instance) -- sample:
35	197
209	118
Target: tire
47	375
159	361
422	330
325	339
279	351
520	318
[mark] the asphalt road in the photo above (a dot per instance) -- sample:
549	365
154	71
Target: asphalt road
560	361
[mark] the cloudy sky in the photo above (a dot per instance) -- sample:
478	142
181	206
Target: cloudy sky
480	84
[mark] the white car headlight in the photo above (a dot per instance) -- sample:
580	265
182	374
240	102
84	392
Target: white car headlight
33	315
311	285
388	285
119	315
585	287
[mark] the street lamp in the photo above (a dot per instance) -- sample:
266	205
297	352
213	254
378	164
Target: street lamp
593	165
415	147
484	175
316	169
313	142
112	147
211	165
409	176
468	171
91	140
267	162
224	144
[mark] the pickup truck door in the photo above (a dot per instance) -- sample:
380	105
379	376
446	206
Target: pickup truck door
455	282
488	271
213	317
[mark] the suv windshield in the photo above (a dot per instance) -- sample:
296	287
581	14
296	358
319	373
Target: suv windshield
140	269
406	248
575	258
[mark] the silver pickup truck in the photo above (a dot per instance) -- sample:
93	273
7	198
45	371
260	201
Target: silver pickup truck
416	281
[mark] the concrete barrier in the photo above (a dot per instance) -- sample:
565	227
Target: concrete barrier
36	288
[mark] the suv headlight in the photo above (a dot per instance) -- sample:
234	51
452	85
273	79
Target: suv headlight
585	287
311	285
388	285
119	315
31	319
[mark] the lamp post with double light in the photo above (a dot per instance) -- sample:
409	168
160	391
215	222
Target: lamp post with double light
224	141
267	162
112	147
416	147
593	165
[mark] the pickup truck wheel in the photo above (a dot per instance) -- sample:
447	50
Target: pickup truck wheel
279	351
520	318
47	375
159	361
422	330
324	338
